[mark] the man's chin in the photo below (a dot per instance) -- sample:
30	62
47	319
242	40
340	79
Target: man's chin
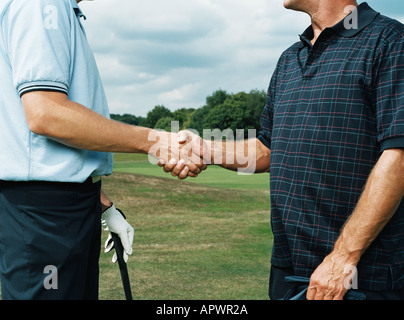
292	5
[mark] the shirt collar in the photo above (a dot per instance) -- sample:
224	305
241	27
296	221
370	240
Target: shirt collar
365	16
77	10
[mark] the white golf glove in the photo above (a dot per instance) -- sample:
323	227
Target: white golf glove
113	220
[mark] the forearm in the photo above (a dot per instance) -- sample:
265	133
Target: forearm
379	202
70	123
380	199
105	201
250	155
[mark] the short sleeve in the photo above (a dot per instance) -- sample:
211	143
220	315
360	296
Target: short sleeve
38	44
266	122
388	93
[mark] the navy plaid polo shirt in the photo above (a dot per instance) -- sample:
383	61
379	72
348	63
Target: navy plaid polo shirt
331	110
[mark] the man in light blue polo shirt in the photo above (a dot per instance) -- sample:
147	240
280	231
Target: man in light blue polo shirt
56	140
45	49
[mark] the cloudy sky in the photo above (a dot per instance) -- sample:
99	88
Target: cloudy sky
176	53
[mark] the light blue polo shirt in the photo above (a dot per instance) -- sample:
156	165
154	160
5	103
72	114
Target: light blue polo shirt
43	47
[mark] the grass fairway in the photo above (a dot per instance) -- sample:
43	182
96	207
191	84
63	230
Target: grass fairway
202	239
213	177
205	238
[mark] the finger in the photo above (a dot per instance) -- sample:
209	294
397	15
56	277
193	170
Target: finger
178	168
161	163
131	236
126	244
169	167
114	258
339	295
319	295
192	175
109	244
193	168
108	247
311	293
184	174
183	136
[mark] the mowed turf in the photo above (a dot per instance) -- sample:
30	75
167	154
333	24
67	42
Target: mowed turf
206	239
214	176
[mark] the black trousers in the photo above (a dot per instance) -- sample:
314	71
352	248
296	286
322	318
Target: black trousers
50	240
278	288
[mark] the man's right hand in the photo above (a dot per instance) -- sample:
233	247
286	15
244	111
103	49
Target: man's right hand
193	157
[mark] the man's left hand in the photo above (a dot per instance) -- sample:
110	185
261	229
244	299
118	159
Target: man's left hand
331	280
114	221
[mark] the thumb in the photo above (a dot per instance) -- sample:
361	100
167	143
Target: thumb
183	136
127	240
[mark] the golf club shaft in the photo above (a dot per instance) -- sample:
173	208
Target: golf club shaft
122	266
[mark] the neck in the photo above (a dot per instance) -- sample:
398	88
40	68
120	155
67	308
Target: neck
329	13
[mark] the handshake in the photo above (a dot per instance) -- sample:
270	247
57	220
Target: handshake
185	154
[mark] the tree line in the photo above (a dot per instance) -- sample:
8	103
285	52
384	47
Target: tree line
221	111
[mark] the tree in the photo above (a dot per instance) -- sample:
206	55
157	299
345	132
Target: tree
198	118
222	111
127	118
255	103
154	115
227	115
164	123
183	116
217	98
240	111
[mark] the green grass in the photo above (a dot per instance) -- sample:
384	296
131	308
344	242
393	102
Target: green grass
213	177
207	238
204	238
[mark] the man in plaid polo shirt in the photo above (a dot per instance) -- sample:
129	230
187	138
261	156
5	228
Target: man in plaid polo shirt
333	138
334	122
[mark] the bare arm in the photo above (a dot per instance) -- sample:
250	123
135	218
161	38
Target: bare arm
380	199
105	201
53	115
251	155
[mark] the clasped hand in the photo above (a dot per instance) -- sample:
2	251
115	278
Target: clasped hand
183	154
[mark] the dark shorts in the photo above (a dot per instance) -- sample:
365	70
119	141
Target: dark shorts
50	240
278	288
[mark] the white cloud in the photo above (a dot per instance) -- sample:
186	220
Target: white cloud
178	52
182	95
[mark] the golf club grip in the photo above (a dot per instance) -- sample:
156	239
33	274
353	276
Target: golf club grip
122	266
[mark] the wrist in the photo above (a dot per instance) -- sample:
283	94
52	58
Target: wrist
218	153
105	202
106	206
347	252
